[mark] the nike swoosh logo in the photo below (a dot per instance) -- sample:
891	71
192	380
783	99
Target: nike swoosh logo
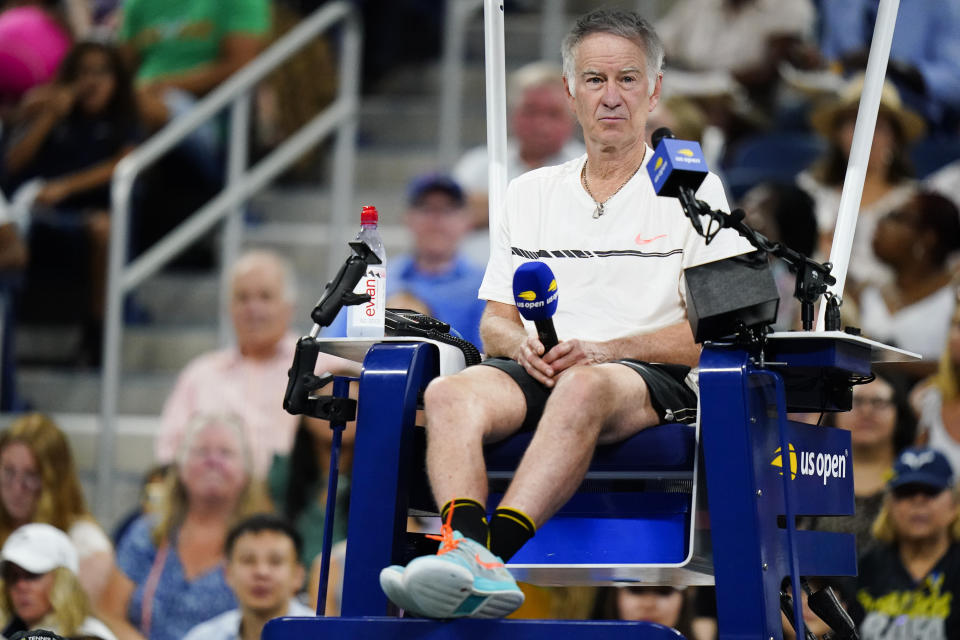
642	240
487	565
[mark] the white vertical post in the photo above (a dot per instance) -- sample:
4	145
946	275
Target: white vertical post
233	224
345	148
451	89
860	148
551	29
495	67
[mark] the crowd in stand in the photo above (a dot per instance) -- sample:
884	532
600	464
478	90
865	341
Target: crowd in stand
232	521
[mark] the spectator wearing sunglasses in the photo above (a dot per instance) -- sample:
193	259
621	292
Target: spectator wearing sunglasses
908	587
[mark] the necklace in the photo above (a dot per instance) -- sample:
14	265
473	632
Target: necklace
583	178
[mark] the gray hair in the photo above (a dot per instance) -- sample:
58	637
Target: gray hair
532	76
626	24
254	256
199	422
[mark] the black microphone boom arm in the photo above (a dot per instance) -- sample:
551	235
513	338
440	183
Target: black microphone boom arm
813	277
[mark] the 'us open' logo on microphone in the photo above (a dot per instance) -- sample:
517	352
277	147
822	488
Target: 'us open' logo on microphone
530	297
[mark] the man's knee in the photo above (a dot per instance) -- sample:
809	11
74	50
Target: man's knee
473	400
441	394
582	386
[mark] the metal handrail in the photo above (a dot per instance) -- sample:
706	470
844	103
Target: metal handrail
456	17
339	117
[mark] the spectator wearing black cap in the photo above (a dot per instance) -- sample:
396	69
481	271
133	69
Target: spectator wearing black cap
436	274
908	587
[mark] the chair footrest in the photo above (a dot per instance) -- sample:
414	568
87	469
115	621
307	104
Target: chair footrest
384	628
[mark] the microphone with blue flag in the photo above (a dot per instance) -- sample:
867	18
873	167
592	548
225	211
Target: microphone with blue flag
535	294
677	169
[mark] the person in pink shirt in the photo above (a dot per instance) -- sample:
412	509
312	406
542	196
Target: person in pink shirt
250	377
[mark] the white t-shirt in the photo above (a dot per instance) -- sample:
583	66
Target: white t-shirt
89	627
708	34
93	627
88	538
617	275
226	626
864	266
473	169
921	327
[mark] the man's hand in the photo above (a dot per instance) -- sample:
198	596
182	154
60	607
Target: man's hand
545	368
570	353
530	357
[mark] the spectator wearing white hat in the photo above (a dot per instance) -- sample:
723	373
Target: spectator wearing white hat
39	588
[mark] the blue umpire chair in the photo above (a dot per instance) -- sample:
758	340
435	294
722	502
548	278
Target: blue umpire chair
674	504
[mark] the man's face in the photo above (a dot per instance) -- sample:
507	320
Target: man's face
611	97
261	314
264	572
438	223
542	122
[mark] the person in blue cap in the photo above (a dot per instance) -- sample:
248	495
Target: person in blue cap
435	277
908	587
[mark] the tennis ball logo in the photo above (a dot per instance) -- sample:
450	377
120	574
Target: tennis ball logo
553	285
528	295
686	152
658	164
778	461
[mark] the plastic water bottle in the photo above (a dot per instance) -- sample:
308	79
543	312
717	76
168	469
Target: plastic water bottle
366	320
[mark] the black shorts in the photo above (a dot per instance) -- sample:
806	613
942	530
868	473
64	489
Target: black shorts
670	395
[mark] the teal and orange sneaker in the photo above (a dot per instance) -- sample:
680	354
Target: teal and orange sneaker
463	579
391	581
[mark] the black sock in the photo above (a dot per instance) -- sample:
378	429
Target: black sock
509	530
469	518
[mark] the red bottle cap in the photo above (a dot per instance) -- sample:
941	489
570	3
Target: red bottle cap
369	215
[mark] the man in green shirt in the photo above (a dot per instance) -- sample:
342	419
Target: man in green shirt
182	49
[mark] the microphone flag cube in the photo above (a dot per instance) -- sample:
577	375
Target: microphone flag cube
676	163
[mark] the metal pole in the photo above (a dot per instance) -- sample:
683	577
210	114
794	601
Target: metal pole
113	316
451	88
233	224
344	157
256	178
551	29
860	148
495	68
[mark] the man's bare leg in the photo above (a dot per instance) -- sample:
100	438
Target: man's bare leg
463	411
590	405
477	405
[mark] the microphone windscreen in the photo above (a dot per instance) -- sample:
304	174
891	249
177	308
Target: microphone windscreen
535	291
660	134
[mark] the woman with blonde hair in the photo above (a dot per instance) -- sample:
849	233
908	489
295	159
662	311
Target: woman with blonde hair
938	398
39	588
38	483
907	585
170	573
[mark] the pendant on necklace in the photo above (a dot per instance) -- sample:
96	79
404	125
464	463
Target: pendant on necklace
598	211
